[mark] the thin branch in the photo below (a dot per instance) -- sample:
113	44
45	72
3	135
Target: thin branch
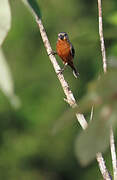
82	121
69	95
102	37
112	144
91	115
113	154
103	168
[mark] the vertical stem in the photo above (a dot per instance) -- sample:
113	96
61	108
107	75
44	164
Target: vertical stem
112	144
113	154
102	37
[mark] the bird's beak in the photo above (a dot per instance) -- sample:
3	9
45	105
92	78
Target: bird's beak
64	38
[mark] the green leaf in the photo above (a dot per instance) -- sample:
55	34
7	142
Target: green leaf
96	137
5	19
33	6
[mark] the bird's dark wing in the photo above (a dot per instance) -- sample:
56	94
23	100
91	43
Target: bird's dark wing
72	51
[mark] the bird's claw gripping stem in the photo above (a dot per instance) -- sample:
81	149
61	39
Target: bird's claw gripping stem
52	53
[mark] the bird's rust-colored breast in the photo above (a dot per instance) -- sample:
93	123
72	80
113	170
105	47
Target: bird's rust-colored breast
64	50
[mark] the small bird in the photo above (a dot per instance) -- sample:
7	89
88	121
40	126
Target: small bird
66	52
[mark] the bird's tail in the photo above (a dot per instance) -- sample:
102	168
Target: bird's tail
75	72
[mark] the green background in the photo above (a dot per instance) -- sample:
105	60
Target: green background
28	147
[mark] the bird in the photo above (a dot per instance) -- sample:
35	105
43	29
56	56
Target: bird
66	51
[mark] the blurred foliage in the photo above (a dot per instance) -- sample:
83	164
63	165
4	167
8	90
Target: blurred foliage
28	148
97	135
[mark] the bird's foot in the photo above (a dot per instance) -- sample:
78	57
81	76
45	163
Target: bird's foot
60	71
52	53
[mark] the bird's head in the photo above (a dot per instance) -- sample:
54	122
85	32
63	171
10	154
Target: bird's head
63	36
